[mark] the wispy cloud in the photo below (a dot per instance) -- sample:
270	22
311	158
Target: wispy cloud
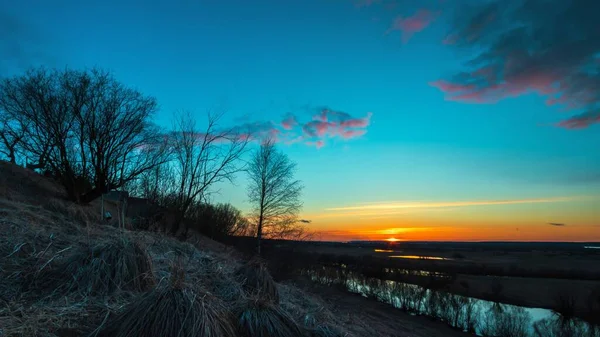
392	231
421	205
557	224
318	144
328	124
289	122
409	25
377	213
526	46
323	125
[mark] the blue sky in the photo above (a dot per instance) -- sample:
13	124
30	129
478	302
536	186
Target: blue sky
268	60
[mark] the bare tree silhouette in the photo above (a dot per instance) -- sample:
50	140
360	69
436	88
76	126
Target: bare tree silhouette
274	193
202	158
90	130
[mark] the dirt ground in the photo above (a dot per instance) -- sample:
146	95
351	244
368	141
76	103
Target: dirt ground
368	318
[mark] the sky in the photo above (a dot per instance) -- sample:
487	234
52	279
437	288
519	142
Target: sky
414	120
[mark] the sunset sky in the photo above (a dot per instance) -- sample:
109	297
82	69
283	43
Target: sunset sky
418	120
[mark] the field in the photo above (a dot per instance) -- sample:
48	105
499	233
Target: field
555	276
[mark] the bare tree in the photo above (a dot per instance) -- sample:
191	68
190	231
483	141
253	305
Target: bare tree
274	193
89	129
12	132
155	185
203	158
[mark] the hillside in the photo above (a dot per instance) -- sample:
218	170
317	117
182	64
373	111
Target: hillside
62	273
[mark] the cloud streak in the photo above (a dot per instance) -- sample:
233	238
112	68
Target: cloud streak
410	25
392	231
556	224
324	125
330	124
530	46
289	122
425	205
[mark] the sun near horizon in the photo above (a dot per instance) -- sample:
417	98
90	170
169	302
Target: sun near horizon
412	121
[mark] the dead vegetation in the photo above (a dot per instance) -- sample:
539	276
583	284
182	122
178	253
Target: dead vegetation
257	281
64	274
260	318
115	264
172	311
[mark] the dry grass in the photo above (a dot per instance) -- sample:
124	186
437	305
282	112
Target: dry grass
169	311
304	307
62	273
115	264
22	185
256	280
66	210
260	318
327	331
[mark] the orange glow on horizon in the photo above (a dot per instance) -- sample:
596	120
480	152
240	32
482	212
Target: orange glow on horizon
497	220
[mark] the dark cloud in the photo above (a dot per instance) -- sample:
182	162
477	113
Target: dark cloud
551	48
305	221
556	224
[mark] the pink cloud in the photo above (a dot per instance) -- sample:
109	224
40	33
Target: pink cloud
410	25
289	123
318	144
449	87
357	122
560	65
349	134
326	124
581	122
331	123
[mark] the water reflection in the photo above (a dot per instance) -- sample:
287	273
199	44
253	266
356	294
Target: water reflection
484	318
383	251
416	272
419	257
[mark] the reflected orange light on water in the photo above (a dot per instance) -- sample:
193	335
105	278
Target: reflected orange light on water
383	251
419	257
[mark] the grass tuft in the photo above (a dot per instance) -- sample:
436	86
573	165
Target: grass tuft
172	312
256	281
117	263
260	318
326	331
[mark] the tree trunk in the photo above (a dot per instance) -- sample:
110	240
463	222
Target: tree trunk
259	233
92	195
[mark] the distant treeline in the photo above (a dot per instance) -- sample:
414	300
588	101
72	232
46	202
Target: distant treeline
293	256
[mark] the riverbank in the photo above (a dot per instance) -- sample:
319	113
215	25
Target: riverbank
472	315
366	317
